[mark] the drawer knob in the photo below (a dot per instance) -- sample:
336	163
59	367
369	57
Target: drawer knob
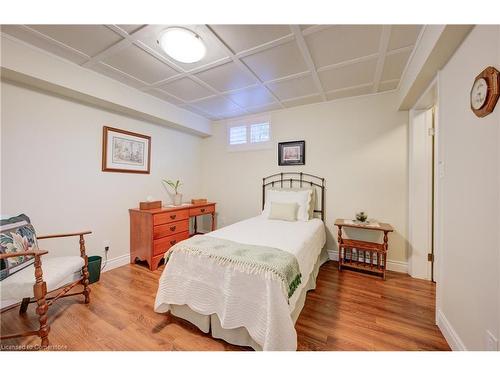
173	216
173	242
172	228
202	210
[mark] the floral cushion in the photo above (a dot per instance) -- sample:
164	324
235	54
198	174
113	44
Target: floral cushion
16	234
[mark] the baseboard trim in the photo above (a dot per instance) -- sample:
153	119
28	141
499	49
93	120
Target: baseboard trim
122	260
450	335
392	265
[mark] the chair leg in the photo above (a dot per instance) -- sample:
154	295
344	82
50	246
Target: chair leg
85	270
40	291
24	305
85	283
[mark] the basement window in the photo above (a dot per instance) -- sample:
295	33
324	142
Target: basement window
252	133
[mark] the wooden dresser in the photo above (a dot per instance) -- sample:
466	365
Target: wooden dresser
152	232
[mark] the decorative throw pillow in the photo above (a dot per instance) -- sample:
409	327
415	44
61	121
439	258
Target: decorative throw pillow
16	234
283	211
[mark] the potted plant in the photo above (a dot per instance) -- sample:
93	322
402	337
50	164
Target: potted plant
361	216
175	185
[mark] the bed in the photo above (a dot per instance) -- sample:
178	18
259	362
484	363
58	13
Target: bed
244	308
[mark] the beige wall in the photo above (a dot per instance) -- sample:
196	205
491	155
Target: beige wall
359	145
469	244
51	168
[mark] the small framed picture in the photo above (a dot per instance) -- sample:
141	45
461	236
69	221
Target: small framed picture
124	151
292	153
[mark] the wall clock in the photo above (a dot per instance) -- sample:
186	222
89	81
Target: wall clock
485	92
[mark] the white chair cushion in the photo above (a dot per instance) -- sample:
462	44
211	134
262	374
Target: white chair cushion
57	272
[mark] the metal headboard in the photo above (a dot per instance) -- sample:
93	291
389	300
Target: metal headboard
294	180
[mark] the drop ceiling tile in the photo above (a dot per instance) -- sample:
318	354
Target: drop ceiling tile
118	75
252	97
198	111
394	65
186	89
349	75
130	28
301	101
34	38
356	91
89	39
343	42
164	96
237	113
403	36
265	108
388	85
292	88
216	105
277	62
149	36
243	37
140	64
303	27
226	77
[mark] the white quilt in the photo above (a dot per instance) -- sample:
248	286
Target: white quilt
240	299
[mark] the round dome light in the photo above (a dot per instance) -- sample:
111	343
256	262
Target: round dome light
182	44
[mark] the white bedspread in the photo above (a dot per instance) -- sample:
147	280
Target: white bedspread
240	299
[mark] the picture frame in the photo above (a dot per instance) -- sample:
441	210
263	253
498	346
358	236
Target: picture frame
125	151
292	153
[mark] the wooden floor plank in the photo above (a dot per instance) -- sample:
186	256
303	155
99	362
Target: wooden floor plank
346	311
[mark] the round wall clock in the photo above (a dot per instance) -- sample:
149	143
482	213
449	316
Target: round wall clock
485	92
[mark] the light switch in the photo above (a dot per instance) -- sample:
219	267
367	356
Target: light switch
441	169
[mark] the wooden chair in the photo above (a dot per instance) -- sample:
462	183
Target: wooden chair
59	275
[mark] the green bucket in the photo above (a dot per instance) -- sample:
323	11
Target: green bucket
94	268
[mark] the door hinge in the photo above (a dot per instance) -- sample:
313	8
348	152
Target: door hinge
431	132
430	257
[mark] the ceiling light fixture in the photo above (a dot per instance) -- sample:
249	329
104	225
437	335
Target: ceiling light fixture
182	44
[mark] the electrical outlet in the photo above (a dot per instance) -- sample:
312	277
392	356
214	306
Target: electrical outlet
491	342
105	244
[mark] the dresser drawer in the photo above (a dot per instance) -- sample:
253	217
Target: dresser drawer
169	229
201	210
169	217
163	244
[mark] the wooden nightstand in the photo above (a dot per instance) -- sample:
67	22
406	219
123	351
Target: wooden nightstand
353	253
153	232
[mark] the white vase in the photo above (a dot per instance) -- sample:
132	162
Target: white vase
177	199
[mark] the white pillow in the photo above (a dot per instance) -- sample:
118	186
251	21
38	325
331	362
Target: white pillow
302	198
312	204
283	211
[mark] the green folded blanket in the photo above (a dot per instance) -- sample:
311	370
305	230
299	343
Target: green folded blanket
270	262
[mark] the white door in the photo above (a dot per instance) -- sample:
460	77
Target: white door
421	193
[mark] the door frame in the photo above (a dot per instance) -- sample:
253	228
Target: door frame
429	99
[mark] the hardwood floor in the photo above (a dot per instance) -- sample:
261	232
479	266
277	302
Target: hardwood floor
347	311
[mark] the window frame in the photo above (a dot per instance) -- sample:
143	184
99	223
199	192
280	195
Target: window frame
248	122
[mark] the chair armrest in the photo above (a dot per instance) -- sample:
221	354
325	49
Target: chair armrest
23	253
63	235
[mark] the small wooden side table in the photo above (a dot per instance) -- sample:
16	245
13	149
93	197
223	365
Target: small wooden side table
353	253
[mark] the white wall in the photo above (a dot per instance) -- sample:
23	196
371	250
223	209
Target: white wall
51	169
359	145
468	290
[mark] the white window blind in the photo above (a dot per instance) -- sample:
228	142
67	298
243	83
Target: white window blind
238	135
250	133
259	132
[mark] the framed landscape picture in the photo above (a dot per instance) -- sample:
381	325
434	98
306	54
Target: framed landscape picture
292	153
124	151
